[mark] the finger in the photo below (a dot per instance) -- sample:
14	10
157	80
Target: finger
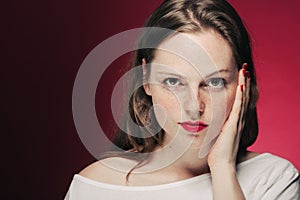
248	86
233	118
242	81
246	96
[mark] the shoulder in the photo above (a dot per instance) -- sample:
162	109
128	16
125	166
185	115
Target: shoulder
111	170
268	161
268	168
280	166
98	179
268	176
95	170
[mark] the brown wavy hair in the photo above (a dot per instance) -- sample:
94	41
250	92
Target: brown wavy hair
185	16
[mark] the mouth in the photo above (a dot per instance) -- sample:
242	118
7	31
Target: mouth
193	127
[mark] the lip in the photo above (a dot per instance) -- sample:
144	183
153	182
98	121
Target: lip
193	126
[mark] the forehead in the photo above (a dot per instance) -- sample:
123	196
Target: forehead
206	51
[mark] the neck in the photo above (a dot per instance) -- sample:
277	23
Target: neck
176	163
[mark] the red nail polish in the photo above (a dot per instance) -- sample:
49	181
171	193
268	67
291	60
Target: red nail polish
244	72
247	74
241	88
245	66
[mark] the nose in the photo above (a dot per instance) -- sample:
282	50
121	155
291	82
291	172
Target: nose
194	103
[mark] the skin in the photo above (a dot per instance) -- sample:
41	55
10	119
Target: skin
190	98
185	91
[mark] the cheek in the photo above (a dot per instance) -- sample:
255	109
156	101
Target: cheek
229	101
165	104
222	105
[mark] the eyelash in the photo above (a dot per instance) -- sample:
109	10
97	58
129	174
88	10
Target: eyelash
223	83
206	84
167	82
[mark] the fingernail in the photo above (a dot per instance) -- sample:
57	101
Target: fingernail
241	88
143	61
247	74
244	72
245	66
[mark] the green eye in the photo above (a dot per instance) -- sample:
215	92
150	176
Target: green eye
216	83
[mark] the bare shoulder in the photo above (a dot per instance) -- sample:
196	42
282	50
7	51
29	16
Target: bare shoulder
111	170
95	170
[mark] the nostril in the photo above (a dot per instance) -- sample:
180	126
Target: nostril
201	112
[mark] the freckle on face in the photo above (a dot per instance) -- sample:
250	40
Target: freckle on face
174	103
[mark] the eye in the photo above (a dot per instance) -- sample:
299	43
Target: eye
171	82
216	83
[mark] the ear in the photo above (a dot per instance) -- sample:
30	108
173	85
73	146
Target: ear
145	83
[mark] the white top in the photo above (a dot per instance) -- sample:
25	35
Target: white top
264	177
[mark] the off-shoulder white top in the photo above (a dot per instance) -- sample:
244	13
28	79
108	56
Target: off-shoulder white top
264	177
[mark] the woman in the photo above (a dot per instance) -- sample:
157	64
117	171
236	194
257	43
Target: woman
192	115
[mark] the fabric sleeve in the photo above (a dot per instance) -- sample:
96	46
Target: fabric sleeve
67	196
280	183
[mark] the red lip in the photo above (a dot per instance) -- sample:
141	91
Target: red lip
193	127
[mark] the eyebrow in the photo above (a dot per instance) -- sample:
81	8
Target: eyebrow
182	77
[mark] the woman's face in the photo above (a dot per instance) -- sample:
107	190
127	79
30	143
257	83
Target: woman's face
192	92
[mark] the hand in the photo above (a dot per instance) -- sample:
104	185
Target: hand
224	151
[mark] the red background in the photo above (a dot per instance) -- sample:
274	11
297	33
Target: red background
43	44
275	33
